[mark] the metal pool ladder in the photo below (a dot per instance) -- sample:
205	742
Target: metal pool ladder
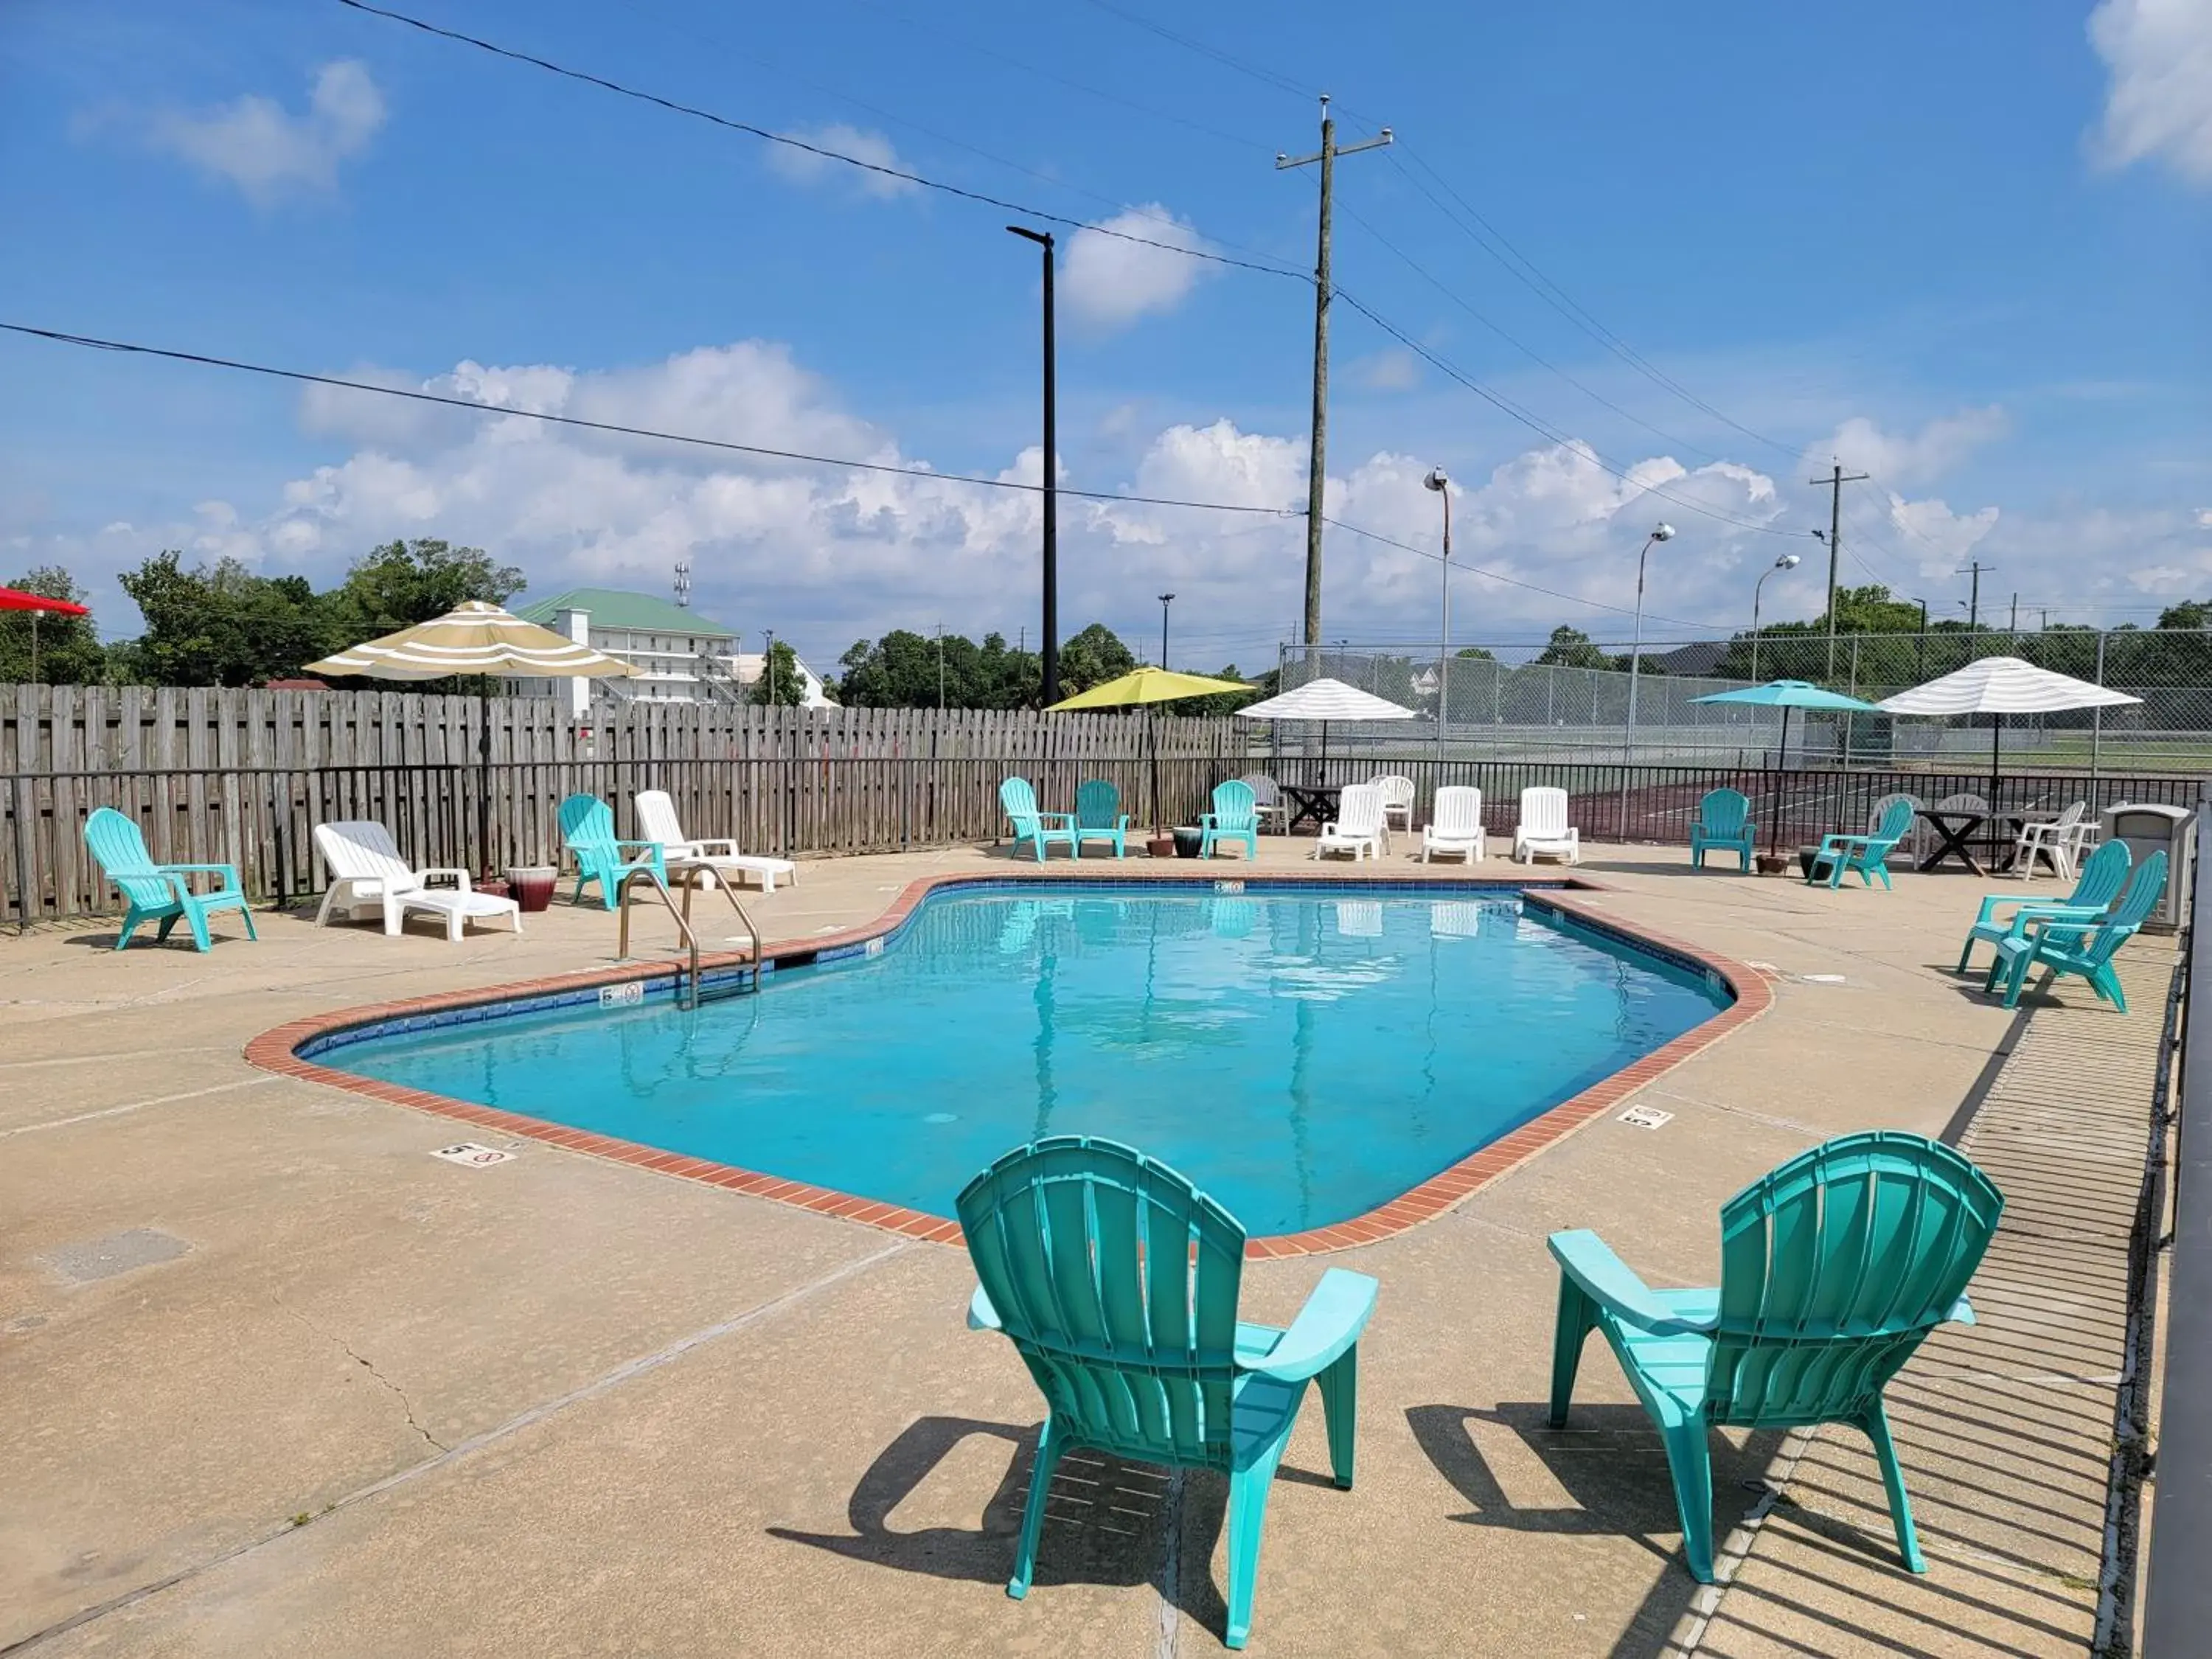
688	995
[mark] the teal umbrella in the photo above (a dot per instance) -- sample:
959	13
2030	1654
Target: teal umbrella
1787	695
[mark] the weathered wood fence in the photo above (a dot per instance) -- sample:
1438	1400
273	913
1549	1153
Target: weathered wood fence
243	777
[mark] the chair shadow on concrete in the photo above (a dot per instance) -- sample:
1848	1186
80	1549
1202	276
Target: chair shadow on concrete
1609	1463
1107	1522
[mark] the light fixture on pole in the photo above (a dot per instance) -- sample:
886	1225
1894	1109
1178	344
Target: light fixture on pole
1786	562
1438	482
1166	600
1051	547
1660	532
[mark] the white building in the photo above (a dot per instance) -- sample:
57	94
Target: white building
816	694
686	657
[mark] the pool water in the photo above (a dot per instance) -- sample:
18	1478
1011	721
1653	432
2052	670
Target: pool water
1303	1056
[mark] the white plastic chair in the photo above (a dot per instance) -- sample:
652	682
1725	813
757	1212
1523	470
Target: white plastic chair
657	822
1397	803
1268	801
1544	831
1917	836
2059	840
1357	827
366	868
1456	825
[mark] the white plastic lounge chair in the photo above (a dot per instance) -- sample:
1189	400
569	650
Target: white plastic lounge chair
1915	844
1268	801
1544	831
1456	825
2060	841
1357	827
657	822
366	868
1397	803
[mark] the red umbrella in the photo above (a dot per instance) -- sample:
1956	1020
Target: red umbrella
14	599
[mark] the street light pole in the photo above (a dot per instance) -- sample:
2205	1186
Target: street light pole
1786	562
1438	482
1051	550
1166	600
1663	532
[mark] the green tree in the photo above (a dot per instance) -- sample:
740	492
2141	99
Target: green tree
224	626
1572	648
402	583
779	683
69	652
1092	657
901	671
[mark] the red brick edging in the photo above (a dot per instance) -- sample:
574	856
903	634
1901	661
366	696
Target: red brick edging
276	1050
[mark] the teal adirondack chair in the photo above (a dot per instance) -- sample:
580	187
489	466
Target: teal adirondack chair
1117	1283
1235	816
1041	829
2068	946
160	892
1834	1269
2101	879
1724	825
1868	854
587	825
1099	817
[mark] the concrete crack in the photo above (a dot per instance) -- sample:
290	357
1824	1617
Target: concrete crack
406	1406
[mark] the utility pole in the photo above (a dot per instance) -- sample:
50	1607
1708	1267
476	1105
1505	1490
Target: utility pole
1166	600
1051	539
1317	454
940	668
1836	480
768	667
1974	603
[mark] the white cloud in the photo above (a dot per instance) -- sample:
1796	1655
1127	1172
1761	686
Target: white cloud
803	167
269	153
1111	280
1901	458
2159	102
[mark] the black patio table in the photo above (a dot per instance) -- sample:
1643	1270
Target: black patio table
1955	832
1310	803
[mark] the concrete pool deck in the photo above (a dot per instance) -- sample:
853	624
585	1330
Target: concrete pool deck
275	1380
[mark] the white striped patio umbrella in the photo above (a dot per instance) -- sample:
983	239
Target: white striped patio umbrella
479	639
1325	700
1997	686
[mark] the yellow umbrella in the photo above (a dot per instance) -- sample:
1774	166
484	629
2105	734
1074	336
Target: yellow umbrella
476	638
1148	685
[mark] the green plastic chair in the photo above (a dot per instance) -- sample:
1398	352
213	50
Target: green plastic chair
1099	817
1834	1269
1235	816
160	892
1041	829
2067	946
1868	854
587	825
1117	1283
2099	883
1724	825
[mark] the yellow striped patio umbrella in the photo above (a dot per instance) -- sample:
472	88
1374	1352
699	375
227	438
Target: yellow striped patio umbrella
1147	685
479	639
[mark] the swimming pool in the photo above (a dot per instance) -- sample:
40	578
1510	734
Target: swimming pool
1302	1054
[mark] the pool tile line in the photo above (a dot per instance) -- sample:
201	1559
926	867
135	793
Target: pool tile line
280	1050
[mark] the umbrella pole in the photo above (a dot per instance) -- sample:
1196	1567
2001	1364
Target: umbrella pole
1159	818
484	774
1774	812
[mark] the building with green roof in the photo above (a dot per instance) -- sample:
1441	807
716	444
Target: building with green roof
685	657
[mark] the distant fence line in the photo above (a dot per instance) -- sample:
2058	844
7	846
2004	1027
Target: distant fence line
1556	710
239	776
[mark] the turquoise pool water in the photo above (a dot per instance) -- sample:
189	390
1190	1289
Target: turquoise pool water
1304	1056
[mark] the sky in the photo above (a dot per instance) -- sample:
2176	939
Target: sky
1624	264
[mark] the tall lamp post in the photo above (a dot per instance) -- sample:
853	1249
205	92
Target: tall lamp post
1043	240
1166	599
1438	482
1786	562
1661	533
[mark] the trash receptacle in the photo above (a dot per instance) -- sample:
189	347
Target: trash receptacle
2150	827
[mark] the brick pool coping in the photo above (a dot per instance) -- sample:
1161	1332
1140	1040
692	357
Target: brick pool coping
277	1050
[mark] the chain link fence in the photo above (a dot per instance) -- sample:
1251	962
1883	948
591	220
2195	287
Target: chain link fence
1572	702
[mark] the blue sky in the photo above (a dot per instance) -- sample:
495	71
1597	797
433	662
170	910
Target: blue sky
1965	247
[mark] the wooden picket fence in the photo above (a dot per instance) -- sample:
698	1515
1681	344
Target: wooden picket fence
242	776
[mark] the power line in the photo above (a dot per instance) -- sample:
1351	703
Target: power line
905	174
1265	77
474	407
1537	425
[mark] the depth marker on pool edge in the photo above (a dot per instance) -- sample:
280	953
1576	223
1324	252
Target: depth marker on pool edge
470	1156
